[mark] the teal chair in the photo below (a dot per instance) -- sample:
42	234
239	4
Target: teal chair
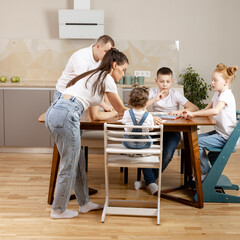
215	182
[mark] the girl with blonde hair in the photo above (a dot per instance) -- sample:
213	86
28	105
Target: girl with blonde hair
222	108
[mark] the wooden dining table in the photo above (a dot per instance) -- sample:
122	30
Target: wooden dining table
192	158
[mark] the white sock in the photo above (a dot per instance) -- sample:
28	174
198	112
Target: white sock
202	177
139	184
65	214
153	187
90	207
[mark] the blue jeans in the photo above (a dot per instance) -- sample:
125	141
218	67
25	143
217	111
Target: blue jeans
137	145
210	139
170	142
56	95
63	122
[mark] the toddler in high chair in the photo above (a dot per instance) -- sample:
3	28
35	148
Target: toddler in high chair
138	98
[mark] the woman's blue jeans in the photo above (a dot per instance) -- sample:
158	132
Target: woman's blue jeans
170	142
63	122
210	139
56	95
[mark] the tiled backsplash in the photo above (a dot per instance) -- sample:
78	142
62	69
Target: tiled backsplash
45	59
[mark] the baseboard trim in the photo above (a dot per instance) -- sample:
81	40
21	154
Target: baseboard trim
25	150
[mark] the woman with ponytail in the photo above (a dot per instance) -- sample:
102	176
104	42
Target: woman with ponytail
63	122
223	108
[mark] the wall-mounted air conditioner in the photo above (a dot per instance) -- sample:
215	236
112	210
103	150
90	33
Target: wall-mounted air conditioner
81	23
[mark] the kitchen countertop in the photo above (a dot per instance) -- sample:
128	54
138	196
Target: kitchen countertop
52	84
148	84
29	84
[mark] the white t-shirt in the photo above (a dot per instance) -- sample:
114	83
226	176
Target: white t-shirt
85	95
226	119
169	103
127	120
81	61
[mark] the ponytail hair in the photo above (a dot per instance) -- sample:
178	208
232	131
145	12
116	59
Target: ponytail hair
111	56
227	72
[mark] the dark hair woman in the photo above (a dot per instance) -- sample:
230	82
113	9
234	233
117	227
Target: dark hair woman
63	122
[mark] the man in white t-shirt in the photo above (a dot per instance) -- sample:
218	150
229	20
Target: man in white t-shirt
82	61
165	99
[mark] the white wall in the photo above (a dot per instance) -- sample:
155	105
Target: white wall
208	30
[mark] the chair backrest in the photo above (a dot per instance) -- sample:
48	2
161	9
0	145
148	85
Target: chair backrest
114	134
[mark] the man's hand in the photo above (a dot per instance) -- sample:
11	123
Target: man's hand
157	120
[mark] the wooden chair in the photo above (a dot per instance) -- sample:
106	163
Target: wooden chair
116	155
215	182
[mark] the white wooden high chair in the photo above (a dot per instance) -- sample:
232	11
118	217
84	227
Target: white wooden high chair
116	155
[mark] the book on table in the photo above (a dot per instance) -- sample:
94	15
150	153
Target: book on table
164	115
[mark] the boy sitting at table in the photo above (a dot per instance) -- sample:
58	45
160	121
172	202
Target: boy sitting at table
164	99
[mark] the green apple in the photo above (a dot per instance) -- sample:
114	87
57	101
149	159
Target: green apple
3	79
15	79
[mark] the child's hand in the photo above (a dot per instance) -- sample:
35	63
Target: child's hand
160	95
186	114
176	113
157	120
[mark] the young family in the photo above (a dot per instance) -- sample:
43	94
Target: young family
88	81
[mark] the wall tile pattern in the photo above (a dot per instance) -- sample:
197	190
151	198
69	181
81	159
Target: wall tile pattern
45	59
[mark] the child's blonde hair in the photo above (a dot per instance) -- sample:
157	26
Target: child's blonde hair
138	97
227	72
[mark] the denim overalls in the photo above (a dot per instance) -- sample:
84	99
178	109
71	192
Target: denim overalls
137	145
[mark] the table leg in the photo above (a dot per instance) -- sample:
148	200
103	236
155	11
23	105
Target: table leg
195	160
192	161
54	172
187	158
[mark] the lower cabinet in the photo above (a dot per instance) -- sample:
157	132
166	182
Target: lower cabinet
21	111
1	120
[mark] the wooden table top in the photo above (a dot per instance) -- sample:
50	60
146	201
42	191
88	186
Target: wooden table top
88	123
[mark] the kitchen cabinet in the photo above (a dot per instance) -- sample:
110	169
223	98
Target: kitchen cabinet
22	107
1	120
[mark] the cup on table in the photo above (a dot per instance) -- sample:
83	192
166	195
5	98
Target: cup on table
121	81
133	79
128	80
140	80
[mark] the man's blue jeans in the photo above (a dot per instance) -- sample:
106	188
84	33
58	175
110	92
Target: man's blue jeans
170	142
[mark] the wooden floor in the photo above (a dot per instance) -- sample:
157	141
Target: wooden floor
25	214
